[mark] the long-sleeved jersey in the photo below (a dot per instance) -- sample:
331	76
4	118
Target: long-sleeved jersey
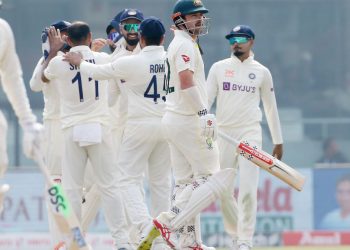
83	99
144	86
239	87
11	75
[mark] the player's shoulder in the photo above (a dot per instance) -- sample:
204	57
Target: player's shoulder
221	64
101	57
5	27
260	66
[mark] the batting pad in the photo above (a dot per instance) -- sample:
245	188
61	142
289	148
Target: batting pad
203	196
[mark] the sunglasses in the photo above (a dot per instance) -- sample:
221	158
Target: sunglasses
238	39
131	26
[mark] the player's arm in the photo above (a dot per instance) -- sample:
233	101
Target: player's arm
185	64
98	72
212	86
56	43
11	76
35	83
270	107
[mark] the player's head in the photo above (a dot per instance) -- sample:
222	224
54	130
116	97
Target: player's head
343	193
151	32
62	26
113	29
130	21
189	15
241	39
79	34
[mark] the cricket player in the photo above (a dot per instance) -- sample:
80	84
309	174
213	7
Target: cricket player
143	146
53	135
239	83
13	86
86	131
191	134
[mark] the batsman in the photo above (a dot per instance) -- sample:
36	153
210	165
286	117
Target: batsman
238	83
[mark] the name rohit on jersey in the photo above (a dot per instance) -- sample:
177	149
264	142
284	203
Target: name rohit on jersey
226	86
156	68
74	67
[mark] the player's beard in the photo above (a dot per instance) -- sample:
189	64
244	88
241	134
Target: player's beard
238	53
131	42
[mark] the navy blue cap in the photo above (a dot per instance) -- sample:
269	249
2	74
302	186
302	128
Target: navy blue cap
115	22
241	30
61	25
152	27
131	13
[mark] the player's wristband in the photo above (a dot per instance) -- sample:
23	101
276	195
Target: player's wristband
193	97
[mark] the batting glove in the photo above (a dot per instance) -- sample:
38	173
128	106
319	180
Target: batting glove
208	125
32	138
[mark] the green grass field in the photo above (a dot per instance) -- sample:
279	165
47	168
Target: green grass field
300	248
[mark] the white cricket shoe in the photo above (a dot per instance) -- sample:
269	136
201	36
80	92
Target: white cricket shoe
244	247
125	246
168	235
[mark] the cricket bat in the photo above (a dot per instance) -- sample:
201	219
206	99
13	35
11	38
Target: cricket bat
267	162
65	215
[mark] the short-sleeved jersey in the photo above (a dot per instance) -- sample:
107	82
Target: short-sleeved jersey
50	92
142	77
239	87
11	75
83	99
184	54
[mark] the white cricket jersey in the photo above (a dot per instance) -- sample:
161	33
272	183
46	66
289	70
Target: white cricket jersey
142	77
11	75
238	87
83	99
183	53
119	110
50	92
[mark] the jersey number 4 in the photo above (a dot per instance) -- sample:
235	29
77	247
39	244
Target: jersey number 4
77	78
152	86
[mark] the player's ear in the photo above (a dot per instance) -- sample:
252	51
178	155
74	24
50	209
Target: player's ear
89	38
69	41
162	40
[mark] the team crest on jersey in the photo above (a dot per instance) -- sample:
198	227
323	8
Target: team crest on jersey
185	58
197	3
252	76
229	73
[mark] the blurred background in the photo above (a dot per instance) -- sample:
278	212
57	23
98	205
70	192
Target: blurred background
305	45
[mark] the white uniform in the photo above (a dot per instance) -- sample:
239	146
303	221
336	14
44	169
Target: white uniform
239	87
87	135
192	160
53	135
13	86
143	147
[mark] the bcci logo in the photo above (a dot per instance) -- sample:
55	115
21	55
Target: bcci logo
197	3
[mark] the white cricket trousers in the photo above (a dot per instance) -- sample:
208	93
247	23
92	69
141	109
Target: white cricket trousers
144	149
53	150
3	145
240	216
192	161
103	161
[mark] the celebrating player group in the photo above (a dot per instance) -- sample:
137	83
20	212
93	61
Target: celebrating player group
142	113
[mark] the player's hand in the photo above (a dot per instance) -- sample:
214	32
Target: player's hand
55	40
73	58
98	44
32	139
208	125
278	151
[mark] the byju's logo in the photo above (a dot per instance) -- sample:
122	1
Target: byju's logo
226	85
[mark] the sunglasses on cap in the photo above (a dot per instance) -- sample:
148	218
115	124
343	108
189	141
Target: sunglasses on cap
238	39
131	26
114	36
